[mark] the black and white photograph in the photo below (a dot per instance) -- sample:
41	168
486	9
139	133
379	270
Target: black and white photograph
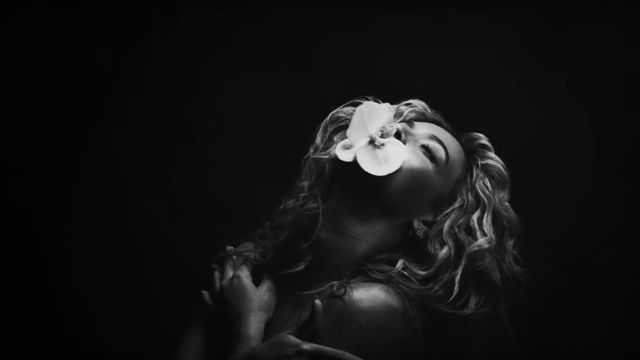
255	181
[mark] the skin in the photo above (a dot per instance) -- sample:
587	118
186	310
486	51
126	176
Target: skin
421	186
369	322
366	215
419	189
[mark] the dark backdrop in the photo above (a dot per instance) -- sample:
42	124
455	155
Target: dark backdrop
138	144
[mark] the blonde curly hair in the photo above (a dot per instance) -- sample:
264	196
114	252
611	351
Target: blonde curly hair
460	265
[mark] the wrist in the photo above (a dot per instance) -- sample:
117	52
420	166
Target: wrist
249	338
250	332
252	322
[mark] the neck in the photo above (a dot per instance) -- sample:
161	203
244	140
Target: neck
352	231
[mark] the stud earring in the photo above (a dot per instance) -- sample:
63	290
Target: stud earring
420	229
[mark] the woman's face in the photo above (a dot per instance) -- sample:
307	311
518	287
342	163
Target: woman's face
426	178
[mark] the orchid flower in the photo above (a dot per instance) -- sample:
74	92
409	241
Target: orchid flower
370	140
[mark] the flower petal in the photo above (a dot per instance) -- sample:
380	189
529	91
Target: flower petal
368	118
384	160
346	150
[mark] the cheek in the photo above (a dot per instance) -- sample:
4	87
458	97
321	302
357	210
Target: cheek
415	188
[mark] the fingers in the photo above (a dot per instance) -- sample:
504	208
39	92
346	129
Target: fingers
207	297
229	270
236	260
233	265
266	284
310	326
316	352
317	311
267	288
244	270
216	280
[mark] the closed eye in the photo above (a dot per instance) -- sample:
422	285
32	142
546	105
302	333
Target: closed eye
428	151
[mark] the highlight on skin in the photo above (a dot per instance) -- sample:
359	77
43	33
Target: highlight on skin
464	263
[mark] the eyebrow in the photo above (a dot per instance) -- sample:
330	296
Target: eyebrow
431	136
439	141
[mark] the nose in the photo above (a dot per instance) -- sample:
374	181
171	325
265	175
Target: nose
399	134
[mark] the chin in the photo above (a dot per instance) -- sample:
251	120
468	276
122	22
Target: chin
408	195
403	193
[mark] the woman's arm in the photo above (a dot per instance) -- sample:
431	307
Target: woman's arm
250	307
193	345
236	309
286	345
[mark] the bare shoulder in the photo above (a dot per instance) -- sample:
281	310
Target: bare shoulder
370	297
371	320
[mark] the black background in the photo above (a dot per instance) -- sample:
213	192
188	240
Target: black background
138	144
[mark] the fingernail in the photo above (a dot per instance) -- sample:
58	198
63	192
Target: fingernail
206	297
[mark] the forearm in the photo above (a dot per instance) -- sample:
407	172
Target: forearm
192	346
249	333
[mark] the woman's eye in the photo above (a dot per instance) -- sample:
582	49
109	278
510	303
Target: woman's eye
426	149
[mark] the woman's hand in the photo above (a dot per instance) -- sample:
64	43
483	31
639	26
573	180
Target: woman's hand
248	302
288	345
233	283
250	306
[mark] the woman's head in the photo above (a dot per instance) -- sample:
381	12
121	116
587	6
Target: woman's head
454	184
424	183
427	180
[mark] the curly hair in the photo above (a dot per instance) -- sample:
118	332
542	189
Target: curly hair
463	263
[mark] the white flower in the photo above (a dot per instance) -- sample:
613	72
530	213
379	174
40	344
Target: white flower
370	140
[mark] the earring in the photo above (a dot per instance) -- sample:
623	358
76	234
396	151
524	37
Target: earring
420	229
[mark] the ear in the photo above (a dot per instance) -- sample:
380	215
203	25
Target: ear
422	223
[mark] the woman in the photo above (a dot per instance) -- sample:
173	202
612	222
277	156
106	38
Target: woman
395	218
